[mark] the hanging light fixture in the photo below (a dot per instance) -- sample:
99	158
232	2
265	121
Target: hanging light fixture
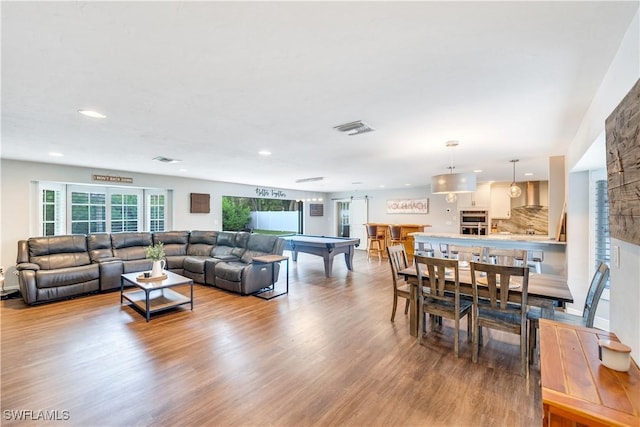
453	183
514	190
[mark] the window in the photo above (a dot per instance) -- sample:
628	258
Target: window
76	209
601	217
52	209
124	211
88	211
156	215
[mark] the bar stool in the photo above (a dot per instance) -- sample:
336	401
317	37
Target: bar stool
534	259
424	249
396	235
444	250
509	257
375	240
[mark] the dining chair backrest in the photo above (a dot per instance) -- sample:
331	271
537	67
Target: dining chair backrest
493	276
598	283
510	257
436	270
465	253
398	260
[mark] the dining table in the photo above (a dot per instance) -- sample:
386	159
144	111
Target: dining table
546	291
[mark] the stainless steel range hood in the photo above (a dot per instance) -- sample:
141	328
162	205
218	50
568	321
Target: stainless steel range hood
531	196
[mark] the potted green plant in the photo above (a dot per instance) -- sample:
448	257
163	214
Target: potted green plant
156	254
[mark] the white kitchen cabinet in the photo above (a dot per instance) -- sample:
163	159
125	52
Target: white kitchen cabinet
500	206
478	199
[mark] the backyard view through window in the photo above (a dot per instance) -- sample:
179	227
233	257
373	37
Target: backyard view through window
265	216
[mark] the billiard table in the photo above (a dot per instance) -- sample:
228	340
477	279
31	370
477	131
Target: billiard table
326	247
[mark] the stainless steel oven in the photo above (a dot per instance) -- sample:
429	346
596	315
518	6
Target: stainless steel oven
474	222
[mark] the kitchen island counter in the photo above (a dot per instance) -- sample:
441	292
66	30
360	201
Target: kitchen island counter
554	251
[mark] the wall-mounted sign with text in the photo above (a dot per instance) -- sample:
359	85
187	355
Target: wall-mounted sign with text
266	192
410	206
111	178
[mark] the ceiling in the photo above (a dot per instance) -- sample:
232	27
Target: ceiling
213	83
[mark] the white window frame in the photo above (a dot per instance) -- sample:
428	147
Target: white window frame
60	223
126	191
147	203
63	215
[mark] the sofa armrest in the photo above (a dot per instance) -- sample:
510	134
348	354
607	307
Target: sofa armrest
27	283
27	266
111	269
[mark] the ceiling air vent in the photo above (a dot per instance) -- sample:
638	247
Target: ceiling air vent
354	128
166	159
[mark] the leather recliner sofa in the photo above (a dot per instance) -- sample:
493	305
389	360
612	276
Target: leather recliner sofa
58	267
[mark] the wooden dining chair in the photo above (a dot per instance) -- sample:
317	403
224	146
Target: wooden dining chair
596	287
437	302
398	260
375	240
498	307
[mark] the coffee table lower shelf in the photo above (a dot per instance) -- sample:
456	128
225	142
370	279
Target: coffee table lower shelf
159	300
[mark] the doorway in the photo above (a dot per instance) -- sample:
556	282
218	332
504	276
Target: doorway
350	217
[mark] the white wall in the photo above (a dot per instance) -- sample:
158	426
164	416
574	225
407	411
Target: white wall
19	202
438	217
625	279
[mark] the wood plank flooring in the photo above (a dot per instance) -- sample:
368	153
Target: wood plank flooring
326	354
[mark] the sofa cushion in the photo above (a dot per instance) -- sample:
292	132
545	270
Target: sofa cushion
175	242
203	237
99	246
130	246
54	252
67	276
259	244
201	243
194	264
225	245
231	271
242	238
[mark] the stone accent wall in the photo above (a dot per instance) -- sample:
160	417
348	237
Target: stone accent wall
525	218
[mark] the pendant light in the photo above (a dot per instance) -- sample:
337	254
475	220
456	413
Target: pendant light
514	190
453	183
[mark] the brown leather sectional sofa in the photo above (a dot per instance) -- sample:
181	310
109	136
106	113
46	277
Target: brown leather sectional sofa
58	267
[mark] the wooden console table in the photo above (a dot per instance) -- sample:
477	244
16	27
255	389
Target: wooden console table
576	388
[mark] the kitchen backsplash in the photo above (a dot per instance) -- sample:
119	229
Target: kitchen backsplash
524	219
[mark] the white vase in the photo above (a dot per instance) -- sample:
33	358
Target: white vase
158	266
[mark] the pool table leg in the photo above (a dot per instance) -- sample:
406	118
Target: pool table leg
328	264
348	258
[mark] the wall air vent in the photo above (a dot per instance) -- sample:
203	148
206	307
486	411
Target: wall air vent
354	128
317	178
166	159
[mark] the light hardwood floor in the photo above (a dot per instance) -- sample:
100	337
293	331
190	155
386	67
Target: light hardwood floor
325	354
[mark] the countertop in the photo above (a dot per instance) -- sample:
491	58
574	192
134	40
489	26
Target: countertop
534	238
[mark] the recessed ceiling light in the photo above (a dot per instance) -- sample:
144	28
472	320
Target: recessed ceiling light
528	174
54	154
478	171
381	186
183	170
264	152
91	113
408	185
